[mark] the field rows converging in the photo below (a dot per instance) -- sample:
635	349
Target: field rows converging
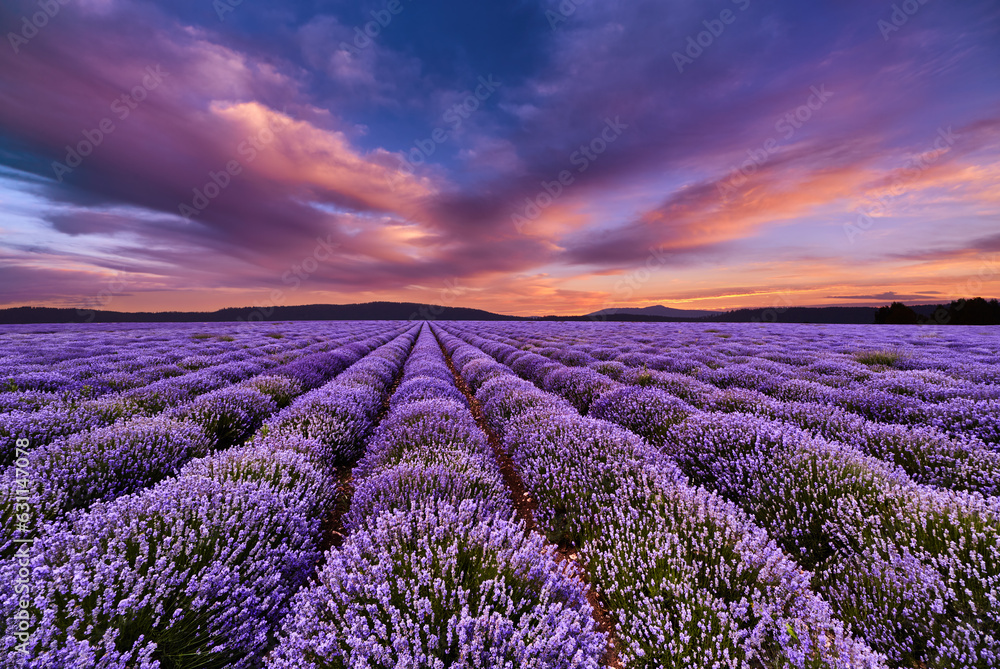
74	411
145	446
211	552
516	334
912	568
466	494
925	450
435	569
687	579
62	374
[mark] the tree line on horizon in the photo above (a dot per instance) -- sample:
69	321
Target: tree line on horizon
975	311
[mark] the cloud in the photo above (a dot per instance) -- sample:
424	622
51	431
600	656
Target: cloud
880	296
357	65
332	174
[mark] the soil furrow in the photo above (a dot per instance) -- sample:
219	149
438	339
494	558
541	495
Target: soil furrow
525	505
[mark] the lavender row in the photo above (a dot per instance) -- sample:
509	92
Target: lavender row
35	390
73	415
427	449
101	348
935	363
139	366
197	571
913	567
341	415
864	383
688	579
435	571
61	420
105	463
138	362
927	454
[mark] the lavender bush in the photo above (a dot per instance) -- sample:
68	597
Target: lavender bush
674	564
99	465
281	389
195	572
883	547
440	587
732	495
229	416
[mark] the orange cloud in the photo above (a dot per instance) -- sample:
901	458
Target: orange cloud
322	161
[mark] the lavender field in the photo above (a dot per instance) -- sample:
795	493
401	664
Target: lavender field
503	494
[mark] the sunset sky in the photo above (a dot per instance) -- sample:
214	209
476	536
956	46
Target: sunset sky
526	157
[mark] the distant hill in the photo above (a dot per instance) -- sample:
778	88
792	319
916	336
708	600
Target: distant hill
371	311
620	318
976	311
962	312
658	310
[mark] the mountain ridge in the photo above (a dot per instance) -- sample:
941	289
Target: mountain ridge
956	312
656	310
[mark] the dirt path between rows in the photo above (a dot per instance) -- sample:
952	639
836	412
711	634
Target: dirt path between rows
333	529
525	507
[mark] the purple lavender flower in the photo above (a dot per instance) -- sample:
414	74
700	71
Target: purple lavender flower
52	422
848	516
337	418
647	538
229	416
438	586
282	389
202	565
422	480
28	400
649	412
98	465
418	388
